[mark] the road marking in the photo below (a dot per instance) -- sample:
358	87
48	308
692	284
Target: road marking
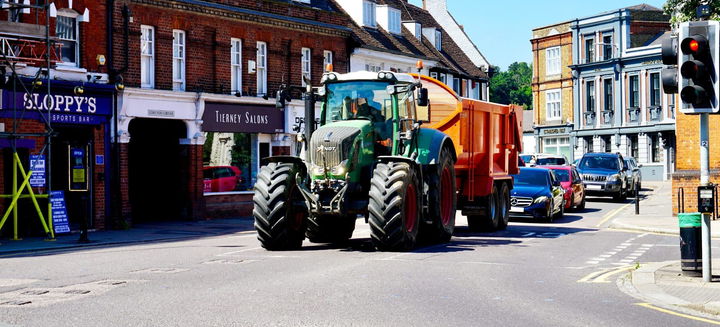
612	214
682	315
602	275
238	251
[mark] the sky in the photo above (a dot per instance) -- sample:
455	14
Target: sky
502	29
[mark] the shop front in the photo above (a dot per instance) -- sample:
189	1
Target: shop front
237	135
75	163
555	140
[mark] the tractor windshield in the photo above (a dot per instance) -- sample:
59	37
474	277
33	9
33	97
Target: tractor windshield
358	100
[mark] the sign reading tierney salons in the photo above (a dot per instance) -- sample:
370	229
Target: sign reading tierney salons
228	117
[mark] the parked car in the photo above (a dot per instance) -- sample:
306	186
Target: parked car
222	178
544	159
604	174
572	184
537	194
634	175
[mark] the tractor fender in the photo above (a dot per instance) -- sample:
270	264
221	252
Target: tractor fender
431	143
286	159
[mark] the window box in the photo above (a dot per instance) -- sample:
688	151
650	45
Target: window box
589	118
655	113
608	117
634	115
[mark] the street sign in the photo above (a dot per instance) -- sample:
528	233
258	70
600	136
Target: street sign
59	212
37	166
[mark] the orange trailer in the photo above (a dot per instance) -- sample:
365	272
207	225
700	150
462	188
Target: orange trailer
488	139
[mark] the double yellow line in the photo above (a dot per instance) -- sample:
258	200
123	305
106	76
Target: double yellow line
670	312
602	275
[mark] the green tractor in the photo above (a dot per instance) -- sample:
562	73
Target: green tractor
368	158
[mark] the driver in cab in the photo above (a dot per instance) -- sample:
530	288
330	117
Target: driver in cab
367	107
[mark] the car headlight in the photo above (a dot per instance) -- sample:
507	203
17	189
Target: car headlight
613	177
540	199
340	169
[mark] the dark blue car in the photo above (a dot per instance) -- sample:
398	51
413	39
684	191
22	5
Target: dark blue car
537	194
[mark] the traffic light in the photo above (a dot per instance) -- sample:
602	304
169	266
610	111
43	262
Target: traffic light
698	62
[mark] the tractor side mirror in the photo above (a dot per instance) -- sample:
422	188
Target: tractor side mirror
422	98
423	114
280	99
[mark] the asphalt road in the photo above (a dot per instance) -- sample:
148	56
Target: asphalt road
533	274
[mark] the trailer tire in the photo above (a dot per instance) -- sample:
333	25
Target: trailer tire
489	222
504	207
330	229
279	221
442	198
394	207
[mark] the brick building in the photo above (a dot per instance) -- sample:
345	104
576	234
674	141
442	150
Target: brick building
552	89
69	97
198	109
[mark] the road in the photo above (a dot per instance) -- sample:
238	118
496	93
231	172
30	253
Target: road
532	274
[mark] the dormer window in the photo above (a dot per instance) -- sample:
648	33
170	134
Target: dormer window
414	27
394	21
369	14
438	40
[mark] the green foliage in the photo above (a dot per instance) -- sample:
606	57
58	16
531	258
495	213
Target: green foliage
685	10
512	86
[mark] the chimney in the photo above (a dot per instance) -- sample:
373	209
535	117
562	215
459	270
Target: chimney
440	5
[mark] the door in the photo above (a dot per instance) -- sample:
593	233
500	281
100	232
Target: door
71	173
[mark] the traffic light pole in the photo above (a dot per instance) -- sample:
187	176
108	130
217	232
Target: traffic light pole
705	181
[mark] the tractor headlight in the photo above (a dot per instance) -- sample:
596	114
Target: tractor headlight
340	169
540	199
318	170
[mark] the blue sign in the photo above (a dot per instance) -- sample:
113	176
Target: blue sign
59	212
64	108
99	159
37	167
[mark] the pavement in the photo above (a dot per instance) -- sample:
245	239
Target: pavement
140	233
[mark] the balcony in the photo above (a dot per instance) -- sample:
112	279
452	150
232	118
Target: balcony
589	118
634	115
25	43
607	117
655	113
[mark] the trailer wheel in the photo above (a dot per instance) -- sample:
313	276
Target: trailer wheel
394	207
489	222
504	207
279	220
442	196
330	229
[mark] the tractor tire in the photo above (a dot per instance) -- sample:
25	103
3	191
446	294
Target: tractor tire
504	207
442	197
279	221
394	207
330	229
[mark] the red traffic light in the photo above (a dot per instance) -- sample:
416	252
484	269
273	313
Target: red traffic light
694	45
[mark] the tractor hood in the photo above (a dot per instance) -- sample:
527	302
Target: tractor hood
336	142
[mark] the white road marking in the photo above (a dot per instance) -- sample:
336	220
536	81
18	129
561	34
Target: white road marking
238	251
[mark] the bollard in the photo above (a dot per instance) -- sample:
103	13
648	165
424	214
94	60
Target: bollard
690	243
637	197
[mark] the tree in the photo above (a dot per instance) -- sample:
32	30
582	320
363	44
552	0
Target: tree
512	86
685	10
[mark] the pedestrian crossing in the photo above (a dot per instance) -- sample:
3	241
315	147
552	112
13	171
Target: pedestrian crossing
624	253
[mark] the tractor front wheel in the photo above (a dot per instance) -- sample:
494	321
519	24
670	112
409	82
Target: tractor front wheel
279	218
394	206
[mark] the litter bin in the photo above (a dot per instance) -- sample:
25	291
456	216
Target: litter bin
690	243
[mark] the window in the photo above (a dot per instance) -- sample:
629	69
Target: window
633	140
634	91
305	63
590	96
66	29
261	71
443	78
394	20
589	144
589	50
327	59
656	147
178	60
438	40
552	105
607	47
608	94
552	61
235	65
557	145
434	75
147	56
373	68
369	14
654	89
228	162
456	85
14	14
607	143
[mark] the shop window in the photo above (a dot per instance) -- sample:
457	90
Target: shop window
607	143
633	140
656	146
557	145
66	29
552	61
261	71
178	60
589	144
227	162
147	56
327	59
305	64
236	65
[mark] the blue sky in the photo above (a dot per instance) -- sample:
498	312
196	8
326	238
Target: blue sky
502	29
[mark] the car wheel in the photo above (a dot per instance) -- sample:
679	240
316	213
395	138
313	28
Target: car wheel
581	206
549	215
561	213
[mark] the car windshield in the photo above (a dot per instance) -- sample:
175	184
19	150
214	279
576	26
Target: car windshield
550	161
562	175
629	163
526	158
531	177
358	100
599	163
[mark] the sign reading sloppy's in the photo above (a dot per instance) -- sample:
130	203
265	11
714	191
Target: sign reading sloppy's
227	117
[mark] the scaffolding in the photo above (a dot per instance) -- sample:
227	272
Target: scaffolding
25	44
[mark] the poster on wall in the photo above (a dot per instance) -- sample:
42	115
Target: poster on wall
37	167
77	157
59	212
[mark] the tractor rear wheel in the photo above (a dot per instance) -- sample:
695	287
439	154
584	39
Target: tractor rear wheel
394	206
330	229
442	196
279	219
